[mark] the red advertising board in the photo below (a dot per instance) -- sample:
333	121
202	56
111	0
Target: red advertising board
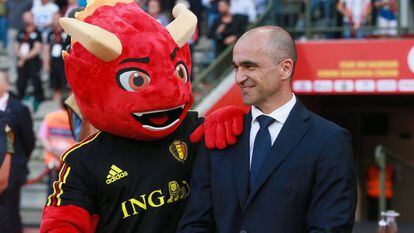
355	67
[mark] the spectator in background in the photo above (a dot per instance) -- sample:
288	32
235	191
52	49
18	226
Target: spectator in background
154	9
3	24
56	138
387	19
321	11
355	15
52	58
227	28
72	4
20	122
15	9
196	7
287	12
212	12
244	7
27	50
43	14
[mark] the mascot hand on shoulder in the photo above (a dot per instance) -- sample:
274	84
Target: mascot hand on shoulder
130	79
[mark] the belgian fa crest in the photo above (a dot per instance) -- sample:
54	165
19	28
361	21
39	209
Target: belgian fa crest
179	150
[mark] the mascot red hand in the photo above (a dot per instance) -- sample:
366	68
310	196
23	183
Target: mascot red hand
221	128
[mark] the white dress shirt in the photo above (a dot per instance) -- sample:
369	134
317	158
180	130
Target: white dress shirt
280	115
3	101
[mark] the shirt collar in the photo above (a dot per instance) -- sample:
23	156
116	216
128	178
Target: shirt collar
3	101
280	114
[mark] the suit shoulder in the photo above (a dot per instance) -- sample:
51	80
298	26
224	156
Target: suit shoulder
325	125
16	104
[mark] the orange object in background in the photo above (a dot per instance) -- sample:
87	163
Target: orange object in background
373	182
55	135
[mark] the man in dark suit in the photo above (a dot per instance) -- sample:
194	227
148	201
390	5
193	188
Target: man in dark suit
290	172
6	151
20	122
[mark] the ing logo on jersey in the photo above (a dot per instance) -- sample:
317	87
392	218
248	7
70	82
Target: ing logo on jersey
115	173
156	199
179	150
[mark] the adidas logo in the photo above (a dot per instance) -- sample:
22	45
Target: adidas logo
115	174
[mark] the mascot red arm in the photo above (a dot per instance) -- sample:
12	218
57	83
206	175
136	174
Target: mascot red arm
130	78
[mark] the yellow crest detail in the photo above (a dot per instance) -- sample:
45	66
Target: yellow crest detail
179	150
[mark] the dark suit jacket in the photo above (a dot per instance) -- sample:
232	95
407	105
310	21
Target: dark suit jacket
20	121
307	182
3	141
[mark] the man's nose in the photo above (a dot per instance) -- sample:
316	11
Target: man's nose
240	77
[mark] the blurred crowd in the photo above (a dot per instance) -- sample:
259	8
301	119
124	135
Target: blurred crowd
342	18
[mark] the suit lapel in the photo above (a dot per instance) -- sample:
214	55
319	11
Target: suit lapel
241	157
291	133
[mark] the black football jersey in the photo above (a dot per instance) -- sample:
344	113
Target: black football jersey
134	186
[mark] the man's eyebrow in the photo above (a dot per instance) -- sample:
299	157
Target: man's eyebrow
173	53
141	60
248	64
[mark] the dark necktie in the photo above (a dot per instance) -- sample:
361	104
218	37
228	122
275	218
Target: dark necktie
262	146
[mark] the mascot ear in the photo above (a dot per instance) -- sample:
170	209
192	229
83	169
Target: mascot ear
183	26
101	43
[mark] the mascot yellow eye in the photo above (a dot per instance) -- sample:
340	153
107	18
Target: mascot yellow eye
180	72
132	80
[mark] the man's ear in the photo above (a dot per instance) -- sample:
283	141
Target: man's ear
287	68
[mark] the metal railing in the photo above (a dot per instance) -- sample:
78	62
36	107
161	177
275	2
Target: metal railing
382	154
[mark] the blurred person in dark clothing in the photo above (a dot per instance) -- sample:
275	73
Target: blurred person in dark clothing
197	8
27	50
19	120
227	28
6	151
52	58
15	9
211	11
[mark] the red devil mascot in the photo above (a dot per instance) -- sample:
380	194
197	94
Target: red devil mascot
131	80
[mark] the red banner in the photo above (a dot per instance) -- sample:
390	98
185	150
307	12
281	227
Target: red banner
355	67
